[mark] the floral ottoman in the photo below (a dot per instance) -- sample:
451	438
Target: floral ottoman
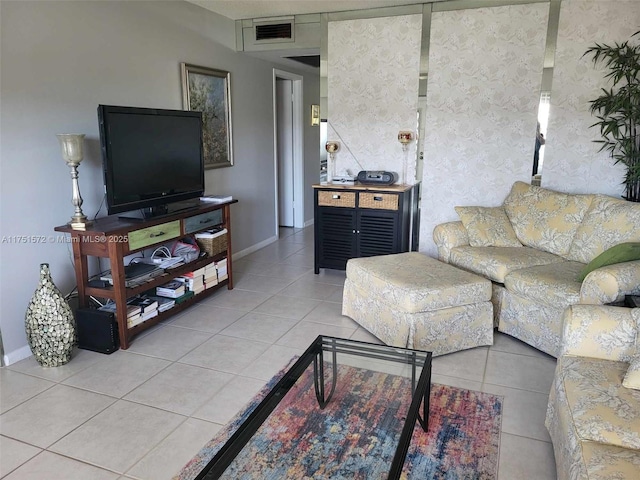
414	301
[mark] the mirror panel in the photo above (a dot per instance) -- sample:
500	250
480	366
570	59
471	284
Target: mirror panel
545	93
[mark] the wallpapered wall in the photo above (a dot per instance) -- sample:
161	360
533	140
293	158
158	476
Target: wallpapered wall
485	71
572	162
373	69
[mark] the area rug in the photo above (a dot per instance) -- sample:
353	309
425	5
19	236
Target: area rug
356	434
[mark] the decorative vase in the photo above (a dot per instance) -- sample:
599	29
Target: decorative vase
49	323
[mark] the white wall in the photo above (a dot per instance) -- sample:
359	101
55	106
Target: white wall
572	161
59	61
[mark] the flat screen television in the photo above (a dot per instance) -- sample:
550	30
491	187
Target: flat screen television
151	158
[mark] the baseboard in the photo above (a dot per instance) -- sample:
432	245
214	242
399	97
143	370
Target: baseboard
308	223
253	248
10	358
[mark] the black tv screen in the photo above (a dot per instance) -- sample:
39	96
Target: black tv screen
150	157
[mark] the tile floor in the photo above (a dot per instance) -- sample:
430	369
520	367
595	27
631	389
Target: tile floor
142	413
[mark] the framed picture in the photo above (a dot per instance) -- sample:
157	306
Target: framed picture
207	90
315	115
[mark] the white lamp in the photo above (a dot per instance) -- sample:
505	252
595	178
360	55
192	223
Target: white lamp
71	145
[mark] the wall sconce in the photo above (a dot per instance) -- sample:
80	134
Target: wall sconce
315	115
331	147
405	137
71	145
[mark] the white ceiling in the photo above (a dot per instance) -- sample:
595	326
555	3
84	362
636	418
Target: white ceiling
240	9
254	9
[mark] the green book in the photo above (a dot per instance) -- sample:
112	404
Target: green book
188	294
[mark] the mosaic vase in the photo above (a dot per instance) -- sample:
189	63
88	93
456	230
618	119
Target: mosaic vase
49	322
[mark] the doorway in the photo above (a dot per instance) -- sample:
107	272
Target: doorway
288	149
284	144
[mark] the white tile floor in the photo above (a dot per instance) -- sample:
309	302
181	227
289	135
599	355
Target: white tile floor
142	413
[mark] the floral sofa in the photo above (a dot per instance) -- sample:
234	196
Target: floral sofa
593	415
534	248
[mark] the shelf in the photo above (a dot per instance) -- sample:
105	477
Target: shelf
110	292
176	309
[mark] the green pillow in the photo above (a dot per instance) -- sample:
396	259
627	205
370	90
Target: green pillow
623	252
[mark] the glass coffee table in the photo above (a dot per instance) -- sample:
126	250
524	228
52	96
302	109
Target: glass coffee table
393	385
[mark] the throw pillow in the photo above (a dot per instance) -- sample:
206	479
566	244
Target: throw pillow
488	227
632	377
623	252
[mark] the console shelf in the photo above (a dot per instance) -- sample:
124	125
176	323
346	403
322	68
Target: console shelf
115	238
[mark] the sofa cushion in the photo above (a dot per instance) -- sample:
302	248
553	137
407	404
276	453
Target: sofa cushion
496	262
488	227
545	219
608	222
555	284
602	409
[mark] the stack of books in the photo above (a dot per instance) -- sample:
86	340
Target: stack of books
221	268
164	303
194	281
173	289
187	295
134	312
210	275
148	308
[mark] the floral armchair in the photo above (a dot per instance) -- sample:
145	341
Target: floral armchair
592	417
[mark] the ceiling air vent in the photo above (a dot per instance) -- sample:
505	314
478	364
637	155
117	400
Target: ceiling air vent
274	31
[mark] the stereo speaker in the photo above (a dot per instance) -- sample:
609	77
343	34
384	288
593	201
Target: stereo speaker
97	330
368	177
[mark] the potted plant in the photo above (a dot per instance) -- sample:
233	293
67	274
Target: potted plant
618	109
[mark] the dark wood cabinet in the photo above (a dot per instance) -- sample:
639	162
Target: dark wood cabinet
362	221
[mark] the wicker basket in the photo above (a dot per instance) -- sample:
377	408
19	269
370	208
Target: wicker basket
213	244
382	201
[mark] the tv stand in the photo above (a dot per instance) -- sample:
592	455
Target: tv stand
115	238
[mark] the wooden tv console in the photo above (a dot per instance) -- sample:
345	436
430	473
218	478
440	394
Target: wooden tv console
115	238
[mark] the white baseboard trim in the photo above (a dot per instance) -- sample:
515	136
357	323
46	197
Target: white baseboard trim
17	355
308	223
254	248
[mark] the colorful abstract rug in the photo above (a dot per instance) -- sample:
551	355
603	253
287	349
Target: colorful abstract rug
355	435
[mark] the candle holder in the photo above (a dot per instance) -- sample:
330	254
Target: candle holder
331	147
405	137
71	145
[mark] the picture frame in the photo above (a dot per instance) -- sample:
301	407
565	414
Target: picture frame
207	90
315	115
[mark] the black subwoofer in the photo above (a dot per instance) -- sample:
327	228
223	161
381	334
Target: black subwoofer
97	330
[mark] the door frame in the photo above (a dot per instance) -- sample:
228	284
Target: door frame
298	149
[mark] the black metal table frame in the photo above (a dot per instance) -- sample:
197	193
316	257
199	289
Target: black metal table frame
315	353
